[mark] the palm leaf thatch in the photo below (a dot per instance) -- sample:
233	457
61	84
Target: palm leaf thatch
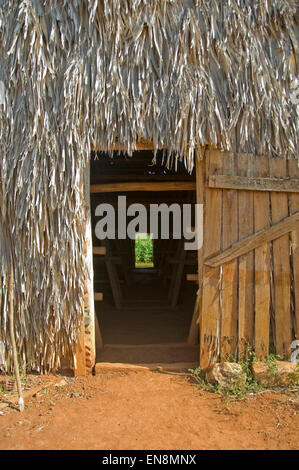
83	73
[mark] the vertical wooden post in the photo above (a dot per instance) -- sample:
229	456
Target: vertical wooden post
210	313
86	349
262	263
80	359
246	262
281	265
229	286
294	207
200	192
89	301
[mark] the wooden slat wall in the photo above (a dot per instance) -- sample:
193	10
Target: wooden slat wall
246	262
229	284
293	170
262	264
210	313
237	297
281	265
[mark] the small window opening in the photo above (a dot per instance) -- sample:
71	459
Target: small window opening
144	251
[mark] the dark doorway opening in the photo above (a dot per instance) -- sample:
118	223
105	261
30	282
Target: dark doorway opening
142	305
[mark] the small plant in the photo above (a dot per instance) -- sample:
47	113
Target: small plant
198	376
250	386
271	361
233	390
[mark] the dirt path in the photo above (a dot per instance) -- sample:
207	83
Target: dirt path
148	410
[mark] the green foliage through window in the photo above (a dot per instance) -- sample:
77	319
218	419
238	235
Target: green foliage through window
144	251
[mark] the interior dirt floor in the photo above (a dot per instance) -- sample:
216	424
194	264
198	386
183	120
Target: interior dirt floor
145	316
152	354
148	410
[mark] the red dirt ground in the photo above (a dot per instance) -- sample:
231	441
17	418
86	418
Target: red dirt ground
148	410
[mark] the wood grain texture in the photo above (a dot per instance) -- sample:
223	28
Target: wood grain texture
80	355
254	184
294	207
99	250
246	262
200	195
254	241
262	265
210	315
229	281
145	186
281	266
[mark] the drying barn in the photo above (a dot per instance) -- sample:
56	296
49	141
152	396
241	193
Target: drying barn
176	102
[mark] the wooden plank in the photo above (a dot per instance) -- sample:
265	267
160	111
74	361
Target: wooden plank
186	262
246	262
79	359
281	266
193	330
229	284
102	367
98	335
254	184
141	145
177	276
99	250
254	241
125	260
89	312
294	207
148	346
200	193
210	314
146	186
262	267
98	296
113	276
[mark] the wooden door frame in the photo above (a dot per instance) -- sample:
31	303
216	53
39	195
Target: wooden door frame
86	346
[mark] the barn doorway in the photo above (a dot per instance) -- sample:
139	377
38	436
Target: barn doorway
144	298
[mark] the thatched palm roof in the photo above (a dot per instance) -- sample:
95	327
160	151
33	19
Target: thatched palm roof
92	73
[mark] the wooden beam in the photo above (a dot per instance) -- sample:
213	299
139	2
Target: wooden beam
254	184
142	145
245	280
294	207
186	262
192	277
252	242
98	296
193	336
79	359
89	351
99	250
113	276
211	306
194	328
177	277
98	335
262	281
229	278
281	266
147	186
